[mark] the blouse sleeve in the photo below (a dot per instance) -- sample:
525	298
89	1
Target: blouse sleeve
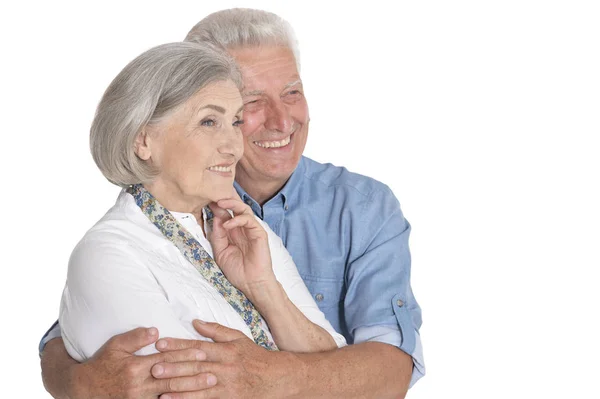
109	290
287	274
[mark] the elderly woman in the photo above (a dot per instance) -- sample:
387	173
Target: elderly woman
168	131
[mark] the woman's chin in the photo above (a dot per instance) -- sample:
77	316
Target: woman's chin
221	195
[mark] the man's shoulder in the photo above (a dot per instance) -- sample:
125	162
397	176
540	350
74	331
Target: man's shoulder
340	178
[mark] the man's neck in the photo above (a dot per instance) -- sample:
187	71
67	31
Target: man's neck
260	190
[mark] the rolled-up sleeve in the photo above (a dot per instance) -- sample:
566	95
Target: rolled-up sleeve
53	332
379	303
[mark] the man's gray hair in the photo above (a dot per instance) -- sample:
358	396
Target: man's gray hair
243	27
147	90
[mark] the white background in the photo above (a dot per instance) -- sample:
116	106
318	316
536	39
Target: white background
482	116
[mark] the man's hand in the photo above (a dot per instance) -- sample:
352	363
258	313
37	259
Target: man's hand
246	370
243	369
115	372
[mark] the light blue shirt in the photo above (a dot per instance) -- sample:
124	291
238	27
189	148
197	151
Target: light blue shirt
349	240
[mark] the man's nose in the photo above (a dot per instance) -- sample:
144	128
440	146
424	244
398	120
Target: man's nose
279	118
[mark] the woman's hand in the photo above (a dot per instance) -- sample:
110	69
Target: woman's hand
241	247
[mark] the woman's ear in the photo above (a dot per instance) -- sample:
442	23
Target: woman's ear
141	146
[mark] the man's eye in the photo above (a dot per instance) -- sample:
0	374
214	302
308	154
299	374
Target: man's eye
251	104
208	122
239	122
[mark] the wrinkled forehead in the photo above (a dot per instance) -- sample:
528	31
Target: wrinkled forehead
266	66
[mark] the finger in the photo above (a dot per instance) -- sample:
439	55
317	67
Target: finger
237	206
176	344
134	340
219	212
217	230
216	332
172	345
214	392
214	351
218	235
180	369
251	228
244	227
198	382
176	356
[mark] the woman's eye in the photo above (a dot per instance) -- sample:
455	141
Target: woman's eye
239	122
208	122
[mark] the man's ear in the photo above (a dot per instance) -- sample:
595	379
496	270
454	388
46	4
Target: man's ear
141	146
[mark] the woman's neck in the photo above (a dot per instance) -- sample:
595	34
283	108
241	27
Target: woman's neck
175	200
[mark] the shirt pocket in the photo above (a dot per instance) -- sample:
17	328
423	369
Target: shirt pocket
327	293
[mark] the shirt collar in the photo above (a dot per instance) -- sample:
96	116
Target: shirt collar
291	188
286	196
189	222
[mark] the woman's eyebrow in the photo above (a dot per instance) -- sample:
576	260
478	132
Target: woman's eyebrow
217	108
212	106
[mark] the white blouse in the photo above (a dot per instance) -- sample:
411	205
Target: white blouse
125	274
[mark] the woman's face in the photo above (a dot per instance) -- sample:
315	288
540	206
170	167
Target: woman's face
196	148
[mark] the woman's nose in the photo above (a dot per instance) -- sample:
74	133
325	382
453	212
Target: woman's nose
232	143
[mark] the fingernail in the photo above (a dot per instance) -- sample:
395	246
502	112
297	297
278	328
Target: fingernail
152	331
158	370
200	321
161	344
165	396
211	380
200	355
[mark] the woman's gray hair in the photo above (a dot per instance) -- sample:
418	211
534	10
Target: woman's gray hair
242	27
149	88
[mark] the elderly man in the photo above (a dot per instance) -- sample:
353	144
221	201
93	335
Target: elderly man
346	233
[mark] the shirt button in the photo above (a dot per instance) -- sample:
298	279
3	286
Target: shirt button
319	297
399	303
286	207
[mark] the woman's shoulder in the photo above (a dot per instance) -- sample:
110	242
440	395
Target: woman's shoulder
124	232
123	225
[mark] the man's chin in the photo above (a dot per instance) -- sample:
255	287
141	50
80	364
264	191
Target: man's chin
281	171
259	172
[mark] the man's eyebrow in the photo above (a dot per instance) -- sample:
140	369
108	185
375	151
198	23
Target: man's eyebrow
260	92
253	93
294	83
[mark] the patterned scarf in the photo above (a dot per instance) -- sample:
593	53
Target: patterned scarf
193	251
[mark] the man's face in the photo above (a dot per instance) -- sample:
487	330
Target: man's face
275	114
